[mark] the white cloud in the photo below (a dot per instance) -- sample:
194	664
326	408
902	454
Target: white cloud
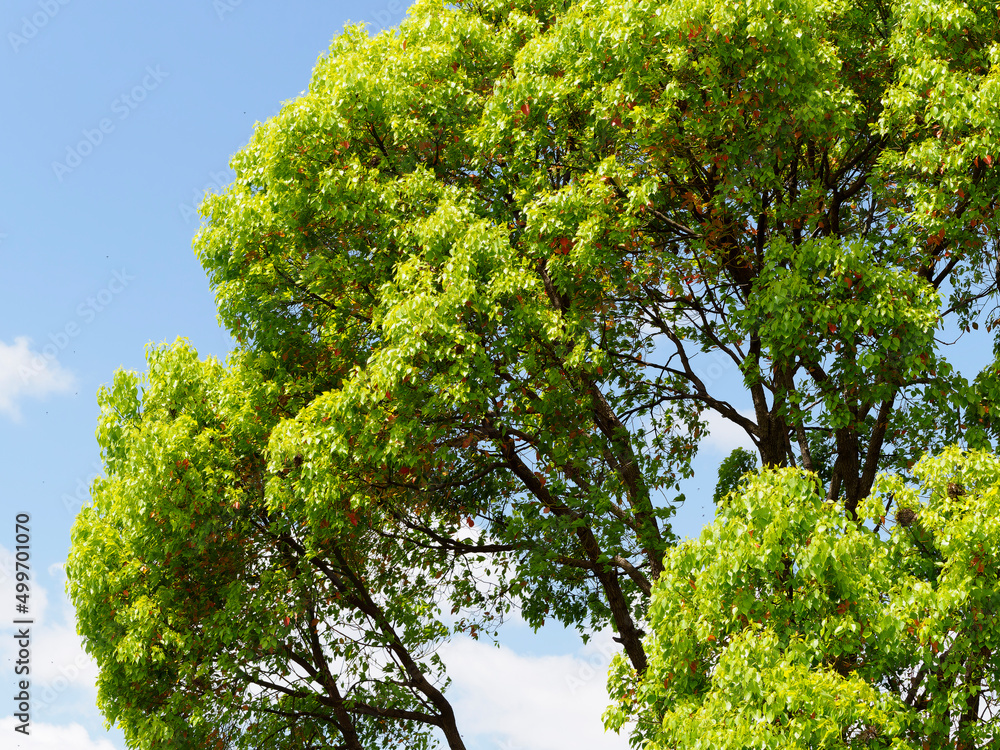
28	374
60	663
63	677
50	737
509	701
725	436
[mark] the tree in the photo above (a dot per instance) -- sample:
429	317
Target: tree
788	624
475	268
221	617
736	465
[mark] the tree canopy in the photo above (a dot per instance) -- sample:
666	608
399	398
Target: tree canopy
222	618
473	270
786	624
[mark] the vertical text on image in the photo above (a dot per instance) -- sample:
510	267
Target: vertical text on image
22	623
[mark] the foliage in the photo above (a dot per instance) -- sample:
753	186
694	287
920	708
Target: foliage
788	624
385	220
732	470
223	613
476	270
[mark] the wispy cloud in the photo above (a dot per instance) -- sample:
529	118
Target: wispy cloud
25	373
51	737
725	436
62	677
514	701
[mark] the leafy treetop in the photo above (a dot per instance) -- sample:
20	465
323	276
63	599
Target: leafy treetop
477	268
786	624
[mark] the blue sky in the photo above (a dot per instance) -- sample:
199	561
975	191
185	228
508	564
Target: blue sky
119	118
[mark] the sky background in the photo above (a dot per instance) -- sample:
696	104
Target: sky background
119	118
